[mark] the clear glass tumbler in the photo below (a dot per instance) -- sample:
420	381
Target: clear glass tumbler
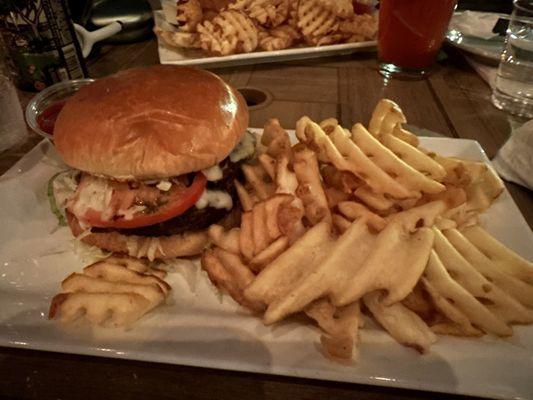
513	91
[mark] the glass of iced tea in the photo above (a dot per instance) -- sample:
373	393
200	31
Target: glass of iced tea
410	35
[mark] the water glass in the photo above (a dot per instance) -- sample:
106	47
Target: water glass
513	90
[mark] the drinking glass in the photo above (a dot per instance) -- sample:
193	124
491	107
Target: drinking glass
410	35
513	90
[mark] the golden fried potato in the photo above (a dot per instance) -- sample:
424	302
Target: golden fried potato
228	273
230	32
315	22
310	189
401	323
188	14
454	300
114	292
505	307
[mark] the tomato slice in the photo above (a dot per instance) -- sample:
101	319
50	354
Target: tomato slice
176	201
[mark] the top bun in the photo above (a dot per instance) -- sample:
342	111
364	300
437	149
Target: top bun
150	123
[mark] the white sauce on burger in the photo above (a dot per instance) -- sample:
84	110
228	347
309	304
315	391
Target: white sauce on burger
213	173
215	199
96	195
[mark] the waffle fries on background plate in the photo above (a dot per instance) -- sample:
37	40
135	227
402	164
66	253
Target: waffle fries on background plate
244	26
347	226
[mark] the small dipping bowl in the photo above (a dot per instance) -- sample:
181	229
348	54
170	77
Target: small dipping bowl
42	110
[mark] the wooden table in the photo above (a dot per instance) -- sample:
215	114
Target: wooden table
454	102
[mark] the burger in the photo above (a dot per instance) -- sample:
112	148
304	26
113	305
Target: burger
154	153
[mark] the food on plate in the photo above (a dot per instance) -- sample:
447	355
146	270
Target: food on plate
114	292
228	33
154	152
353	228
278	38
243	26
365	222
189	14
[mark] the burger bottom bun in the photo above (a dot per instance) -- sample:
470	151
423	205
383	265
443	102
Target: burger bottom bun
162	247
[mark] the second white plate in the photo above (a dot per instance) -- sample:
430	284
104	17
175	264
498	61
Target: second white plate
178	56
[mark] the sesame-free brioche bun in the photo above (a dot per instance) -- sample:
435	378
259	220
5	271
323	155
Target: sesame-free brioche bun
150	123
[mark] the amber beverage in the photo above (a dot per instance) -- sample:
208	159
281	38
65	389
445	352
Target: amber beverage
411	33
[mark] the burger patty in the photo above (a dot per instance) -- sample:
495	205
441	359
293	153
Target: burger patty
194	219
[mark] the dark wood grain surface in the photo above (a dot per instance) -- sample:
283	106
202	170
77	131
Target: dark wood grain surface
454	102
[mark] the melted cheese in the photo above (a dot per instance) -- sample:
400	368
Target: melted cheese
215	199
213	173
96	195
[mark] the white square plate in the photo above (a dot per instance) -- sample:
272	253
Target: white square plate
178	56
199	329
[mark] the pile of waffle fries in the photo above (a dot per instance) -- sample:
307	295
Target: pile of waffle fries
365	222
241	26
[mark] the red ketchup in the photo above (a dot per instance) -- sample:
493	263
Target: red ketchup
47	118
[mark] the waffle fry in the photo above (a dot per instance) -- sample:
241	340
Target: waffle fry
229	32
296	262
259	180
279	38
310	189
275	138
228	241
412	156
292	15
137	265
402	324
82	283
114	292
215	5
387	160
503	257
386	115
354	211
341	8
460	299
340	326
456	322
265	223
245	198
269	13
189	13
106	309
227	272
359	28
500	304
345	155
360	258
315	22
519	289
